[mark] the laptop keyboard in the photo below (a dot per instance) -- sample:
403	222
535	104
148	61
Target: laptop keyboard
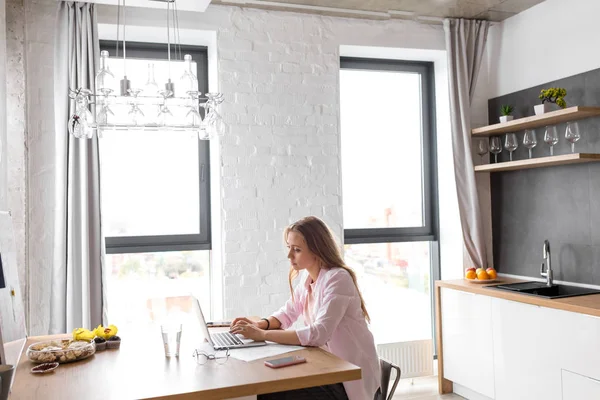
225	339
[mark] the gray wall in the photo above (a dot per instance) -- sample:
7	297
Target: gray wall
561	204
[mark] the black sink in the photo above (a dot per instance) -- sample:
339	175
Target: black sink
540	289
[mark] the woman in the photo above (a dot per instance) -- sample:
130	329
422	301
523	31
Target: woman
333	309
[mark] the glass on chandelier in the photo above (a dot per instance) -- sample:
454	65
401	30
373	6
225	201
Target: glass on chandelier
81	124
147	105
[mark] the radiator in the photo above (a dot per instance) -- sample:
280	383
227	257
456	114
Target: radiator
414	358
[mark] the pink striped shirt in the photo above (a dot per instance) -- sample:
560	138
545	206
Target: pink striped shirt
335	320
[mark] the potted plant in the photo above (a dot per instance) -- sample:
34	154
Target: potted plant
505	112
549	96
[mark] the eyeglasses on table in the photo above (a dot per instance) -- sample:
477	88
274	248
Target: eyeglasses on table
220	356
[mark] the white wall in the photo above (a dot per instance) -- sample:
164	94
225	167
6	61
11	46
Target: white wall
280	158
551	40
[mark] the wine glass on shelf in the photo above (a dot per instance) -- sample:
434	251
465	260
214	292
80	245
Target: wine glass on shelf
511	143
529	140
482	148
495	147
551	138
572	134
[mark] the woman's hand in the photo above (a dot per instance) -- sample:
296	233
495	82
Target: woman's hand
243	319
247	328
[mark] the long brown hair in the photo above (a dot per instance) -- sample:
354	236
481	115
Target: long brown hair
320	241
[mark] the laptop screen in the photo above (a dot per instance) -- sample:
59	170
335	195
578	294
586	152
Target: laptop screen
203	327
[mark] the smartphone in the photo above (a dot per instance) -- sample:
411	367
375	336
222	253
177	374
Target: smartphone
285	361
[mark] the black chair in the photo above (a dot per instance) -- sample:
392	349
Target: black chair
386	373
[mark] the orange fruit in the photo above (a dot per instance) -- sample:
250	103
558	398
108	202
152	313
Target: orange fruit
492	273
478	270
482	275
471	275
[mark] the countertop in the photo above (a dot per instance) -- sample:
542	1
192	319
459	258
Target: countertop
587	304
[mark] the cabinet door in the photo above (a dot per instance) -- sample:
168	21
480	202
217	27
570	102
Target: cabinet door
579	387
579	346
467	340
527	340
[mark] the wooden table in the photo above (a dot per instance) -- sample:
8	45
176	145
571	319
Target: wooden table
139	370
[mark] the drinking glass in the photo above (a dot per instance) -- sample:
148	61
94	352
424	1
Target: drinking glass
482	148
105	111
135	113
213	122
193	115
551	137
164	114
81	124
511	143
529	140
6	375
171	334
572	134
495	147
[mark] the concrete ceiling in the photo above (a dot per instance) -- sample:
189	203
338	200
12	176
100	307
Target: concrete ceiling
425	10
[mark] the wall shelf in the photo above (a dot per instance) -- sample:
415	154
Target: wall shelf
565	159
536	121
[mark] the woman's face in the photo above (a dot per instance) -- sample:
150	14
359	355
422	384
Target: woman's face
298	253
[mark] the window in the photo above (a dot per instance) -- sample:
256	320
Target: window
389	191
155	197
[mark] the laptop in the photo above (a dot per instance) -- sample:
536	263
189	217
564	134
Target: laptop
223	340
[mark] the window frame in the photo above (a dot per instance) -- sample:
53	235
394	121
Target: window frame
185	242
429	232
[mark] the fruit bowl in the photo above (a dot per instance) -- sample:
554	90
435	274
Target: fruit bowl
480	275
60	351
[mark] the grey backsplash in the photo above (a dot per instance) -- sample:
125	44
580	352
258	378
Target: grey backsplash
561	204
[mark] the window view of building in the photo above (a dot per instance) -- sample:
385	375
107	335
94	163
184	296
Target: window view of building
388	205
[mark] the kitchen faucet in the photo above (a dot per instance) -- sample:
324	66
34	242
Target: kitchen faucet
548	274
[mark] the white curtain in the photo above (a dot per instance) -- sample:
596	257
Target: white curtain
77	295
465	43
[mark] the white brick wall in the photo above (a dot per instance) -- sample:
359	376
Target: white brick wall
30	146
280	160
280	72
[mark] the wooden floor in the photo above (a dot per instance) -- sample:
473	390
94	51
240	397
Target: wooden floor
425	388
